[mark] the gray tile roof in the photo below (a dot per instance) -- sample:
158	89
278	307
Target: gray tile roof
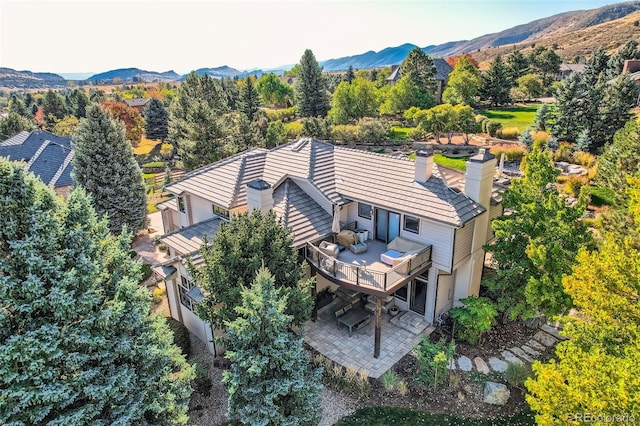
137	102
171	204
47	155
223	182
300	213
189	240
443	69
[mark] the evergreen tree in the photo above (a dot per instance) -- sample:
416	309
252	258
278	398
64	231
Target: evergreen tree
17	106
546	63
78	343
156	120
13	124
53	108
103	164
249	103
526	138
419	68
616	62
619	98
310	88
517	65
570	106
541	118
237	252
583	141
271	381
596	69
276	134
537	243
496	83
350	75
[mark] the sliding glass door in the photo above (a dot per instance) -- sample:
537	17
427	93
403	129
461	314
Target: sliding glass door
387	225
419	295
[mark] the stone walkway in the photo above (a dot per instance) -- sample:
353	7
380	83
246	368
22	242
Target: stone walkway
526	353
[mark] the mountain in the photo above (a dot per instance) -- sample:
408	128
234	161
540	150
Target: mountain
226	71
614	17
131	75
13	79
76	76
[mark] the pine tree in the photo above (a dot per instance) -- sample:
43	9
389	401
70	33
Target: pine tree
156	120
239	249
103	164
249	103
311	92
541	118
496	83
517	65
53	108
78	344
526	138
350	75
271	381
583	141
596	69
616	62
570	106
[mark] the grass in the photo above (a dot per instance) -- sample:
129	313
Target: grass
459	163
145	146
520	116
382	416
400	133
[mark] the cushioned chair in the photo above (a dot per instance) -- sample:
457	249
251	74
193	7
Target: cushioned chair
329	249
347	237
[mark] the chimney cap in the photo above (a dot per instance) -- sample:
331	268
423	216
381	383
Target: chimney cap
482	156
425	152
259	184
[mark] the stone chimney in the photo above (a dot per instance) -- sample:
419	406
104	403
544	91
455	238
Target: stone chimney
478	180
259	195
423	164
631	66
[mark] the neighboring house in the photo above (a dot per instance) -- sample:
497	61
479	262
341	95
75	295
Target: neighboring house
444	214
443	69
567	69
48	156
137	103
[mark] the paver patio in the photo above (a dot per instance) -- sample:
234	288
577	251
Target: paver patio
357	350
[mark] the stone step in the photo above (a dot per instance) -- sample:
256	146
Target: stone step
497	364
536	345
534	353
410	321
510	357
465	364
545	338
553	331
481	366
521	354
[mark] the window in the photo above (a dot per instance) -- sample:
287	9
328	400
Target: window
364	210
411	224
183	287
401	293
181	204
220	211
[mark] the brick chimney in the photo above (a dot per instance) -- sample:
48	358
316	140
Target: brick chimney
259	195
423	164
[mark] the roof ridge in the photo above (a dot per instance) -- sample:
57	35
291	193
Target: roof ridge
342	148
285	202
61	169
38	152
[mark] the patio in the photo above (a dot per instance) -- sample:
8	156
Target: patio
357	350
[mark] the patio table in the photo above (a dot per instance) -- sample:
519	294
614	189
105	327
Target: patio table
354	317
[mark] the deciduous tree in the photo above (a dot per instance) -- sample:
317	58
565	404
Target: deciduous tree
78	342
67	126
133	121
464	83
274	92
271	381
13	124
103	164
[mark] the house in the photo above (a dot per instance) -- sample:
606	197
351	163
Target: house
443	69
47	155
567	69
315	188
137	103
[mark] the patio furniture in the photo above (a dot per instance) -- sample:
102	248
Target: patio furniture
329	249
348	296
390	256
354	317
358	248
399	250
347	237
363	235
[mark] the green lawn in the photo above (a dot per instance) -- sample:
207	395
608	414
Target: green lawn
454	163
400	133
383	416
520	116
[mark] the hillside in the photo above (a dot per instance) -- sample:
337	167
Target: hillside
226	71
370	59
130	75
12	79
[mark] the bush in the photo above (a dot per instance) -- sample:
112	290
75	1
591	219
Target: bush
158	295
573	184
315	127
601	196
584	159
411	112
349	380
540	138
284	114
418	134
166	150
510	133
563	153
371	130
293	129
180	336
516	374
511	152
476	317
433	359
389	380
493	127
146	271
345	132
202	382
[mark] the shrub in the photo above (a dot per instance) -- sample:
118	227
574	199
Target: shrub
402	388
540	138
493	127
285	114
293	129
418	134
158	295
350	380
389	380
433	359
510	133
166	150
511	152
202	382
563	153
371	130
180	335
345	133
315	127
584	159
411	112
476	317
601	196
573	184
146	271
516	374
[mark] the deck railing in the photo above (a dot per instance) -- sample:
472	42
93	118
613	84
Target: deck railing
360	275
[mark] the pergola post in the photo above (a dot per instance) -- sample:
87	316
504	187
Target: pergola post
378	326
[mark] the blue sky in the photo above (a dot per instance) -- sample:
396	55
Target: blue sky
159	35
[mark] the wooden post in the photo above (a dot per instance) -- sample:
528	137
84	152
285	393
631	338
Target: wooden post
378	319
314	294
